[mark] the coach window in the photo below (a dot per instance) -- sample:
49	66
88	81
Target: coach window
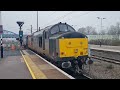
40	41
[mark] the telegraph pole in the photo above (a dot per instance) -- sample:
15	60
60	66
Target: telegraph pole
1	32
37	20
31	29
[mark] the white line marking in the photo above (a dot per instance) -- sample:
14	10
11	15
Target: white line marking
55	67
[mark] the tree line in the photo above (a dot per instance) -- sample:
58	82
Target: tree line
112	30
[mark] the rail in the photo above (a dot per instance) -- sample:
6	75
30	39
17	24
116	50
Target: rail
110	60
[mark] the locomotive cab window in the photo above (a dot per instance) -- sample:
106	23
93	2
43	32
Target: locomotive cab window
65	28
40	41
70	28
55	29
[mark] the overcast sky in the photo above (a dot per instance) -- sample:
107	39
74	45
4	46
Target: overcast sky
76	18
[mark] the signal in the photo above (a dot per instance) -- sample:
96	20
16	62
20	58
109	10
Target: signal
20	31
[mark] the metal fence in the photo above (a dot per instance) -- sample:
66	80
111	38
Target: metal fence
10	44
96	37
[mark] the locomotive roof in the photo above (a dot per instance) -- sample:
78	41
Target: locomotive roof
46	29
69	34
41	31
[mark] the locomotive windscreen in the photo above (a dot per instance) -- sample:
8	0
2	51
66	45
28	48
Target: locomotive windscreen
61	28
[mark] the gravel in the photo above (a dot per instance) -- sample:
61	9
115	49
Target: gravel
103	70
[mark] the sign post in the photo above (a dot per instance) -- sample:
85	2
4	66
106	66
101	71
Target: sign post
1	32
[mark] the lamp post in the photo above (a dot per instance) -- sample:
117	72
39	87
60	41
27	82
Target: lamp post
37	20
101	21
101	26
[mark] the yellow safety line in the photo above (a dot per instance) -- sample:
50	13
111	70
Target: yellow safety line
31	72
38	73
25	52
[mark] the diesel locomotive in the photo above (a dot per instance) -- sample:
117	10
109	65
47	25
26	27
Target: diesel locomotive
60	43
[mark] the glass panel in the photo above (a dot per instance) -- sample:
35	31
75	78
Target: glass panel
54	30
70	28
63	28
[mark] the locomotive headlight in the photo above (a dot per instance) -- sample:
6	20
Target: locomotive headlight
86	50
62	53
76	50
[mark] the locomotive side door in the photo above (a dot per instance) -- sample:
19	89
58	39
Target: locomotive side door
43	40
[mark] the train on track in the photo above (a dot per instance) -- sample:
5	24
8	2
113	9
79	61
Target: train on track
61	44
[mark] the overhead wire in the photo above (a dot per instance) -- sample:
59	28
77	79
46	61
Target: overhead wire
52	13
60	18
80	15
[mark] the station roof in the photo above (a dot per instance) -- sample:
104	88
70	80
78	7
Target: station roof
9	34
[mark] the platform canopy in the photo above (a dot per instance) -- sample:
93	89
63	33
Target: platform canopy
9	34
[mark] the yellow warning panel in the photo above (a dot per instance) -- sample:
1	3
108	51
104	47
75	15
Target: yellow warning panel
73	47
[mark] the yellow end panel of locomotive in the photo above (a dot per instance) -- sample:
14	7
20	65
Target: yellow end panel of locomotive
73	47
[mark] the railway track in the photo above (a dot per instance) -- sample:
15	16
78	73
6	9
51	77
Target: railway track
77	75
110	60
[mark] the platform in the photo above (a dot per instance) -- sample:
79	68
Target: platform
112	52
12	66
40	68
25	64
105	48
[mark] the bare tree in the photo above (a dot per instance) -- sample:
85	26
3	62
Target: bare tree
112	30
102	32
118	28
89	30
82	30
